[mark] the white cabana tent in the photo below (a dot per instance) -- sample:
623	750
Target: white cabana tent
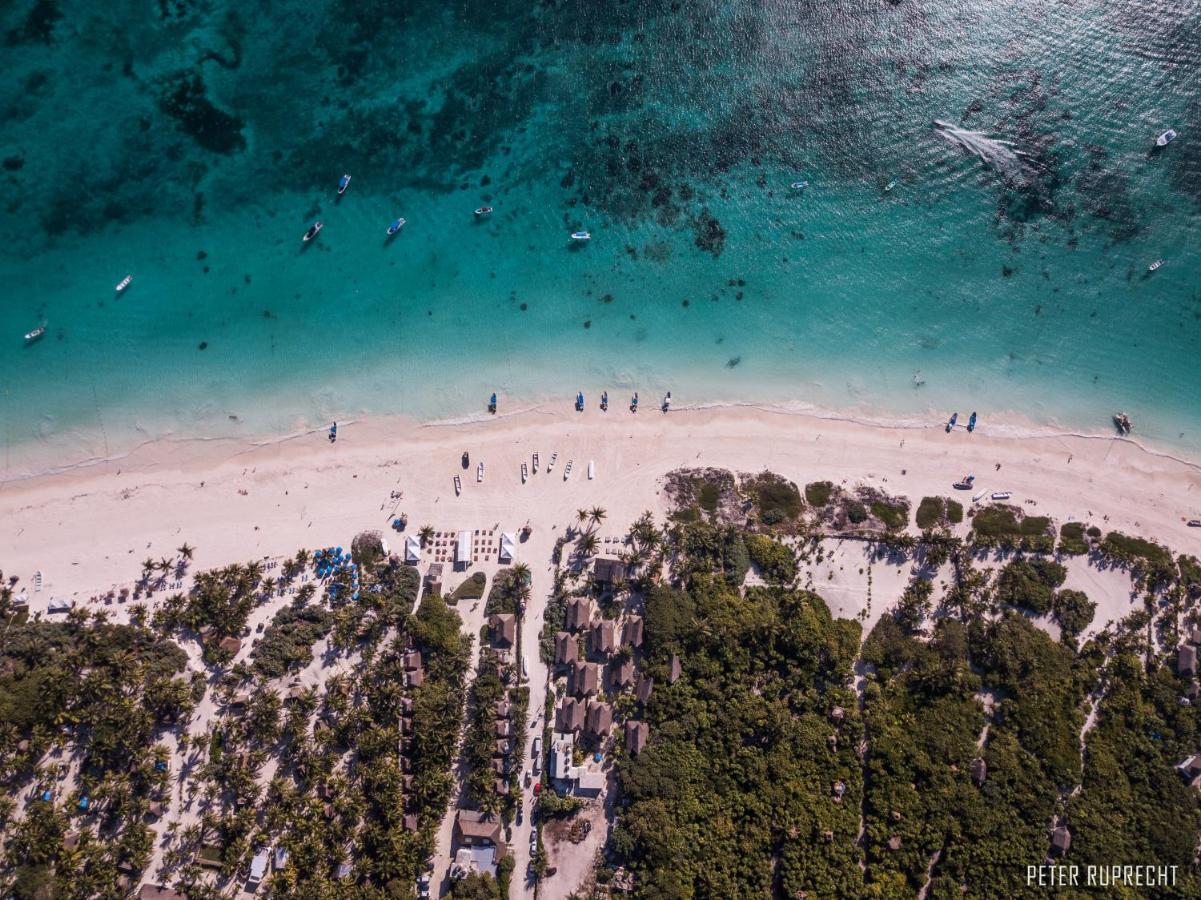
508	544
463	549
412	549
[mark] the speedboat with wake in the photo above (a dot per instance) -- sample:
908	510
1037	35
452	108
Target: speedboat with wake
312	232
581	236
396	226
343	184
482	211
1166	138
36	335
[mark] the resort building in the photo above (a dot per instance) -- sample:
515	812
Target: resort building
463	550
601	638
565	648
508	547
607	572
412	550
583	680
504	629
636	735
631	632
579	613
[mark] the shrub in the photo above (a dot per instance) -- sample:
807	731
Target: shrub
1000	526
289	639
778	499
471	589
818	492
893	515
1030	584
930	512
1073	611
1132	550
708	496
857	512
954	512
772	558
1190	571
1071	538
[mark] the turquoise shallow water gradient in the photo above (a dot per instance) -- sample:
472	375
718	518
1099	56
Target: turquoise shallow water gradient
191	143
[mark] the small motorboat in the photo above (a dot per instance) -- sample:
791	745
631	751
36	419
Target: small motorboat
1155	265
581	236
333	432
525	473
458	486
1194	523
888	187
550	465
567	469
492	404
579	402
466	460
124	283
36	335
604	401
1122	422
951	422
343	184
1000	495
976	498
535	463
312	232
971	423
396	226
634	402
1166	138
591	469
666	401
482	211
479	472
799	185
964	483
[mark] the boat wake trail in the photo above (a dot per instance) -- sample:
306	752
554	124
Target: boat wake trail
998	154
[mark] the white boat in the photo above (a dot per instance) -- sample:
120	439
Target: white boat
1000	495
312	232
535	463
483	211
37	581
567	470
458	486
479	473
35	335
525	472
550	465
799	185
978	497
1155	265
591	469
1194	523
581	236
1166	138
667	401
396	226
124	283
888	187
343	184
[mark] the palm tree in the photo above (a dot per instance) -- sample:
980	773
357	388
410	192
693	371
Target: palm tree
521	572
148	566
581	515
597	515
587	544
426	534
186	551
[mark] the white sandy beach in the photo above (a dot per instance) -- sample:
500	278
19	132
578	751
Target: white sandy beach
88	530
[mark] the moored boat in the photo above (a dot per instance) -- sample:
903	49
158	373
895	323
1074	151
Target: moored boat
1166	138
604	400
799	185
124	283
492	404
581	236
535	463
343	184
1122	422
951	422
525	472
482	211
591	469
35	335
579	401
1155	265
634	402
312	232
567	469
971	423
396	225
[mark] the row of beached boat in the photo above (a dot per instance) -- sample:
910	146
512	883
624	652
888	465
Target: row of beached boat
525	469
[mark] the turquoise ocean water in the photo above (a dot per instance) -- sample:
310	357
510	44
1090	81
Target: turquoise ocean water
191	142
